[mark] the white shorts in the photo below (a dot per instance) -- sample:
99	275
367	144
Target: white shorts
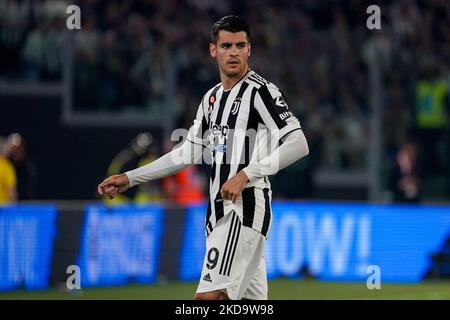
234	261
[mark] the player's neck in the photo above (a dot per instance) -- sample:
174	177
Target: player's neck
229	82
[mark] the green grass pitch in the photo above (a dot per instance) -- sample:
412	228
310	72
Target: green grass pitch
278	289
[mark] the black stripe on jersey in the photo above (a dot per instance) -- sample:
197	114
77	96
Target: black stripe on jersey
267	215
227	245
223	102
204	128
225	167
232	118
208	225
268	102
248	206
227	273
245	154
257	76
252	123
212	94
218	205
258	79
255	80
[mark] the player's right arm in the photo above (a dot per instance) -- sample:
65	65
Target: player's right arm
171	163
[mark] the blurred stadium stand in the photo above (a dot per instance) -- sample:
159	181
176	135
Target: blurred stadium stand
144	65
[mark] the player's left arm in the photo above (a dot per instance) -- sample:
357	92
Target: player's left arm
294	147
285	130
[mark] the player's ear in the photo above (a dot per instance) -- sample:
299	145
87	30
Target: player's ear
212	49
249	48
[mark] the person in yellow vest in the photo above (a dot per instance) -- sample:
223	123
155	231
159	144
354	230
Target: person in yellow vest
141	151
432	119
432	102
8	181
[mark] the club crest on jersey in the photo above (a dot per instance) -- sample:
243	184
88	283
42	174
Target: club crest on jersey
236	105
212	100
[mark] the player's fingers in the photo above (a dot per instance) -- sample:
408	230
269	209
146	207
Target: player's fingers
104	183
234	197
105	190
107	182
110	189
113	193
101	188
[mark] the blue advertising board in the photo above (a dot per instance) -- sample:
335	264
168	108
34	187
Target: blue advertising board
120	244
26	246
194	243
337	241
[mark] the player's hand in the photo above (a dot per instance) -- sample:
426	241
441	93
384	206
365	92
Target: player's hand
114	185
234	186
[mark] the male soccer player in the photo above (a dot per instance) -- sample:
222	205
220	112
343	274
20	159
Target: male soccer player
245	122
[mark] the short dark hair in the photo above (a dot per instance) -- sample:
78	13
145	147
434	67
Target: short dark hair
229	23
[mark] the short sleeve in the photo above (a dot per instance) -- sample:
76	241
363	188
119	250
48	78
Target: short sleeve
274	111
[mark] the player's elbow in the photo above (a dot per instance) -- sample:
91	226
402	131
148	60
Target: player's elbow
305	149
303	143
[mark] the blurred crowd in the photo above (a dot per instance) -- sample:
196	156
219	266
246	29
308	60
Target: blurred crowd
141	55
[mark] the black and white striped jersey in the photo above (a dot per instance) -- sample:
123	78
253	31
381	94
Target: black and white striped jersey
241	126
